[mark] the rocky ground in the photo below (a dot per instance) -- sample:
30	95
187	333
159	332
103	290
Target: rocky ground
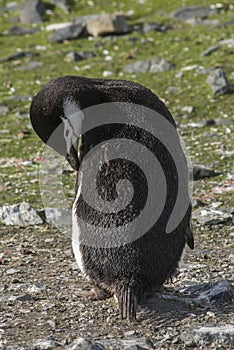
39	302
186	57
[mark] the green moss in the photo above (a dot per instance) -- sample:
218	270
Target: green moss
182	46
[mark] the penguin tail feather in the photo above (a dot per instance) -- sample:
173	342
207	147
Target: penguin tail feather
127	300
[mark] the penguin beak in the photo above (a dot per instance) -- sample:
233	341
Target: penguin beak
72	158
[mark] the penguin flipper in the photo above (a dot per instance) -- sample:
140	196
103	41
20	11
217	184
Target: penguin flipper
94	294
189	237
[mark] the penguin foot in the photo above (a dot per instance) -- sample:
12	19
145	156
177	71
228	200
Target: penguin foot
94	294
159	288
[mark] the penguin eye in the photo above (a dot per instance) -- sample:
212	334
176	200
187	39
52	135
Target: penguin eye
66	133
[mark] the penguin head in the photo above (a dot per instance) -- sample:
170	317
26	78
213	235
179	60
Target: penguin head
56	114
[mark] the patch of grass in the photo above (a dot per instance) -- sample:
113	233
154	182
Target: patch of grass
182	46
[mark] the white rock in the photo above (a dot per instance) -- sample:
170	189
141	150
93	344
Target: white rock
19	215
209	334
106	73
107	24
56	26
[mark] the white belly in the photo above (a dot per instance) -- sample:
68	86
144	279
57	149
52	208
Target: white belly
76	237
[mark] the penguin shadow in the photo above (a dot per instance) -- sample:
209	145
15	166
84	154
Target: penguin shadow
179	303
166	300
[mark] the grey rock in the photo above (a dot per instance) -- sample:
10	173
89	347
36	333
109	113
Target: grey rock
160	65
10	6
209	122
4	109
154	26
197	203
132	39
22	287
21	98
94	25
225	188
31	11
228	42
225	42
129	333
84	19
107	24
2	288
187	109
211	294
22	115
209	216
24	297
63	4
58	217
215	205
80	344
210	50
36	288
171	90
135	347
13	347
74	31
186	13
12	271
58	26
45	344
123	344
86	54
16	30
209	333
107	73
179	74
78	56
98	346
218	82
202	171
194	125
111	343
145	41
41	47
153	65
19	215
228	23
218	121
204	21
150	26
16	298
231	258
73	57
198	69
30	66
19	55
138	27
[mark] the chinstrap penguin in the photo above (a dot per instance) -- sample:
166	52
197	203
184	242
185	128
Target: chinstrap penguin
131	270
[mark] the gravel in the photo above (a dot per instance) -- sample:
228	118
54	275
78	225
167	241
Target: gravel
40	305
